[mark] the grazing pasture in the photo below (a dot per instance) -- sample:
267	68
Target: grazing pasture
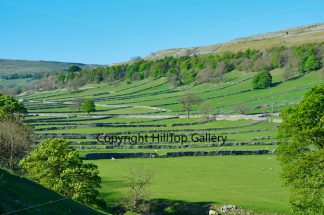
248	118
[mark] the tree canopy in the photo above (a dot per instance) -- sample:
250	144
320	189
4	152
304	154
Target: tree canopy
262	80
301	152
9	106
197	68
57	166
88	106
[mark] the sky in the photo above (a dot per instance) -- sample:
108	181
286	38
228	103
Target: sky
111	31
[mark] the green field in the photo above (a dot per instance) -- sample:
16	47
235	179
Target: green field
247	181
151	106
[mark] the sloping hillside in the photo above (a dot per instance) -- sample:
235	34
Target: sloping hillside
9	67
20	73
286	37
18	193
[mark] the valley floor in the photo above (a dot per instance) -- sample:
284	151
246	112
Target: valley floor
246	181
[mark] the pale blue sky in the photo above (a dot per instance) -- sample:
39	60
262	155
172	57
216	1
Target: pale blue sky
108	31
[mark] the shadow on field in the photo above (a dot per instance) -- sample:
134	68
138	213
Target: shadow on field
171	207
175	207
108	184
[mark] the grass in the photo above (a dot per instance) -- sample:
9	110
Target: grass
247	181
251	182
18	193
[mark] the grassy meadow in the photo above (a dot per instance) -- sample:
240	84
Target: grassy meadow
152	106
247	181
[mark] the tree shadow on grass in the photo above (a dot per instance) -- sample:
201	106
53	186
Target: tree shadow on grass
177	207
170	207
107	184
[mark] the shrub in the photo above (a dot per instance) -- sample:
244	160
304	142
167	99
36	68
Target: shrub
262	80
55	165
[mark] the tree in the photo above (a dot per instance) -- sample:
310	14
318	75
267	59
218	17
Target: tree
88	106
74	68
221	68
71	72
57	166
287	74
73	85
301	152
15	141
204	76
137	195
9	106
187	101
206	109
174	79
308	61
311	63
262	80
78	103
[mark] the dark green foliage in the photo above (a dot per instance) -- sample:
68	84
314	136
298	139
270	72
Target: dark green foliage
301	152
74	68
262	80
55	165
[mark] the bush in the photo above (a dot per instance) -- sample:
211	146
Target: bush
55	165
88	106
262	80
311	63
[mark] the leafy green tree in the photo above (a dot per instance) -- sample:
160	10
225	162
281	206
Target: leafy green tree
88	106
55	165
311	63
307	58
9	106
301	152
262	80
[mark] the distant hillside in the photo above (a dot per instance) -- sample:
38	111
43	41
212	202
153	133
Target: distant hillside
286	37
19	73
18	193
8	67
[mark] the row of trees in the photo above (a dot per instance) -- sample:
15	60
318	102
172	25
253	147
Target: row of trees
198	68
22	76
